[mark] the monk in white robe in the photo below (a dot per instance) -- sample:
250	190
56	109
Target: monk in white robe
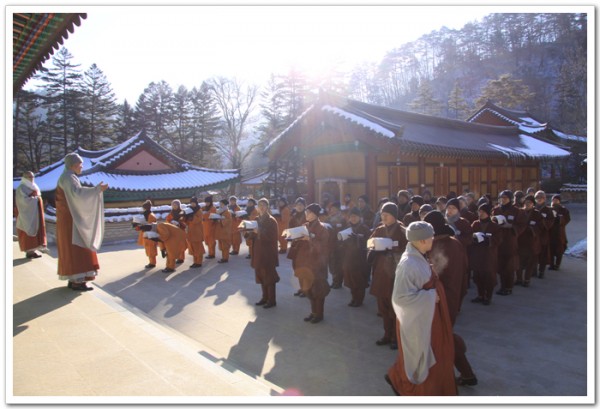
79	225
31	228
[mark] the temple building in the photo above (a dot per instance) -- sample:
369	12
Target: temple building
347	146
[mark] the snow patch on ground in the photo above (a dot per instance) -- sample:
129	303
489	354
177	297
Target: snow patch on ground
579	250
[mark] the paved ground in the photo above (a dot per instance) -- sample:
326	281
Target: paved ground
533	343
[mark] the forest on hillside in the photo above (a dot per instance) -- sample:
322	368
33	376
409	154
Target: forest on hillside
535	62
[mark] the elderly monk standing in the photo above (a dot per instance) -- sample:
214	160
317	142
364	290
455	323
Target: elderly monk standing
79	225
425	360
31	228
264	254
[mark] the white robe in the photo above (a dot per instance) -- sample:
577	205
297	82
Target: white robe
86	205
414	308
28	219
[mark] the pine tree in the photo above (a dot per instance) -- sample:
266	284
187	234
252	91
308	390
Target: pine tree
99	110
506	92
425	102
182	118
154	111
30	133
456	102
272	110
61	81
126	125
205	127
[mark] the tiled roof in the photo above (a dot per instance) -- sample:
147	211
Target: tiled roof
35	37
98	167
427	135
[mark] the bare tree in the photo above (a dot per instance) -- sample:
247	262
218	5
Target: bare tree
236	102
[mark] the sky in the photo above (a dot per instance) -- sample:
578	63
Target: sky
185	45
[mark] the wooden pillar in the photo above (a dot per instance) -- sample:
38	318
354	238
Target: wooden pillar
371	177
459	181
421	175
489	177
310	179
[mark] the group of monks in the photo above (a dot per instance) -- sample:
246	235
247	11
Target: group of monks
416	254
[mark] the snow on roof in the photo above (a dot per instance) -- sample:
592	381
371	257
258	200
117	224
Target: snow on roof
179	180
360	121
256	180
302	115
569	137
531	147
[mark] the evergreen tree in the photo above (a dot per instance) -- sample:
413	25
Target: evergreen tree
61	81
182	117
126	125
99	110
272	110
205	127
30	133
425	102
456	103
154	111
506	92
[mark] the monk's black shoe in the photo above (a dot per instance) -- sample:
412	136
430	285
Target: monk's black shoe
168	270
80	287
209	257
477	300
150	266
33	254
389	381
223	261
261	302
466	381
316	320
297	293
178	261
233	253
309	318
196	265
270	305
163	253
248	256
382	341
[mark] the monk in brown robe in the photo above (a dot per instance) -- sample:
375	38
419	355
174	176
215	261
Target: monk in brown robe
209	226
310	263
354	259
223	231
177	217
195	232
298	218
264	254
558	232
425	360
529	242
31	227
172	237
79	225
251	214
548	222
384	267
150	246
483	257
283	222
236	236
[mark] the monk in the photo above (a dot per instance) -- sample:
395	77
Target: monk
310	263
264	254
354	259
298	218
252	214
195	232
209	227
177	217
79	225
149	245
236	236
425	360
223	230
31	227
173	239
283	221
384	266
558	232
